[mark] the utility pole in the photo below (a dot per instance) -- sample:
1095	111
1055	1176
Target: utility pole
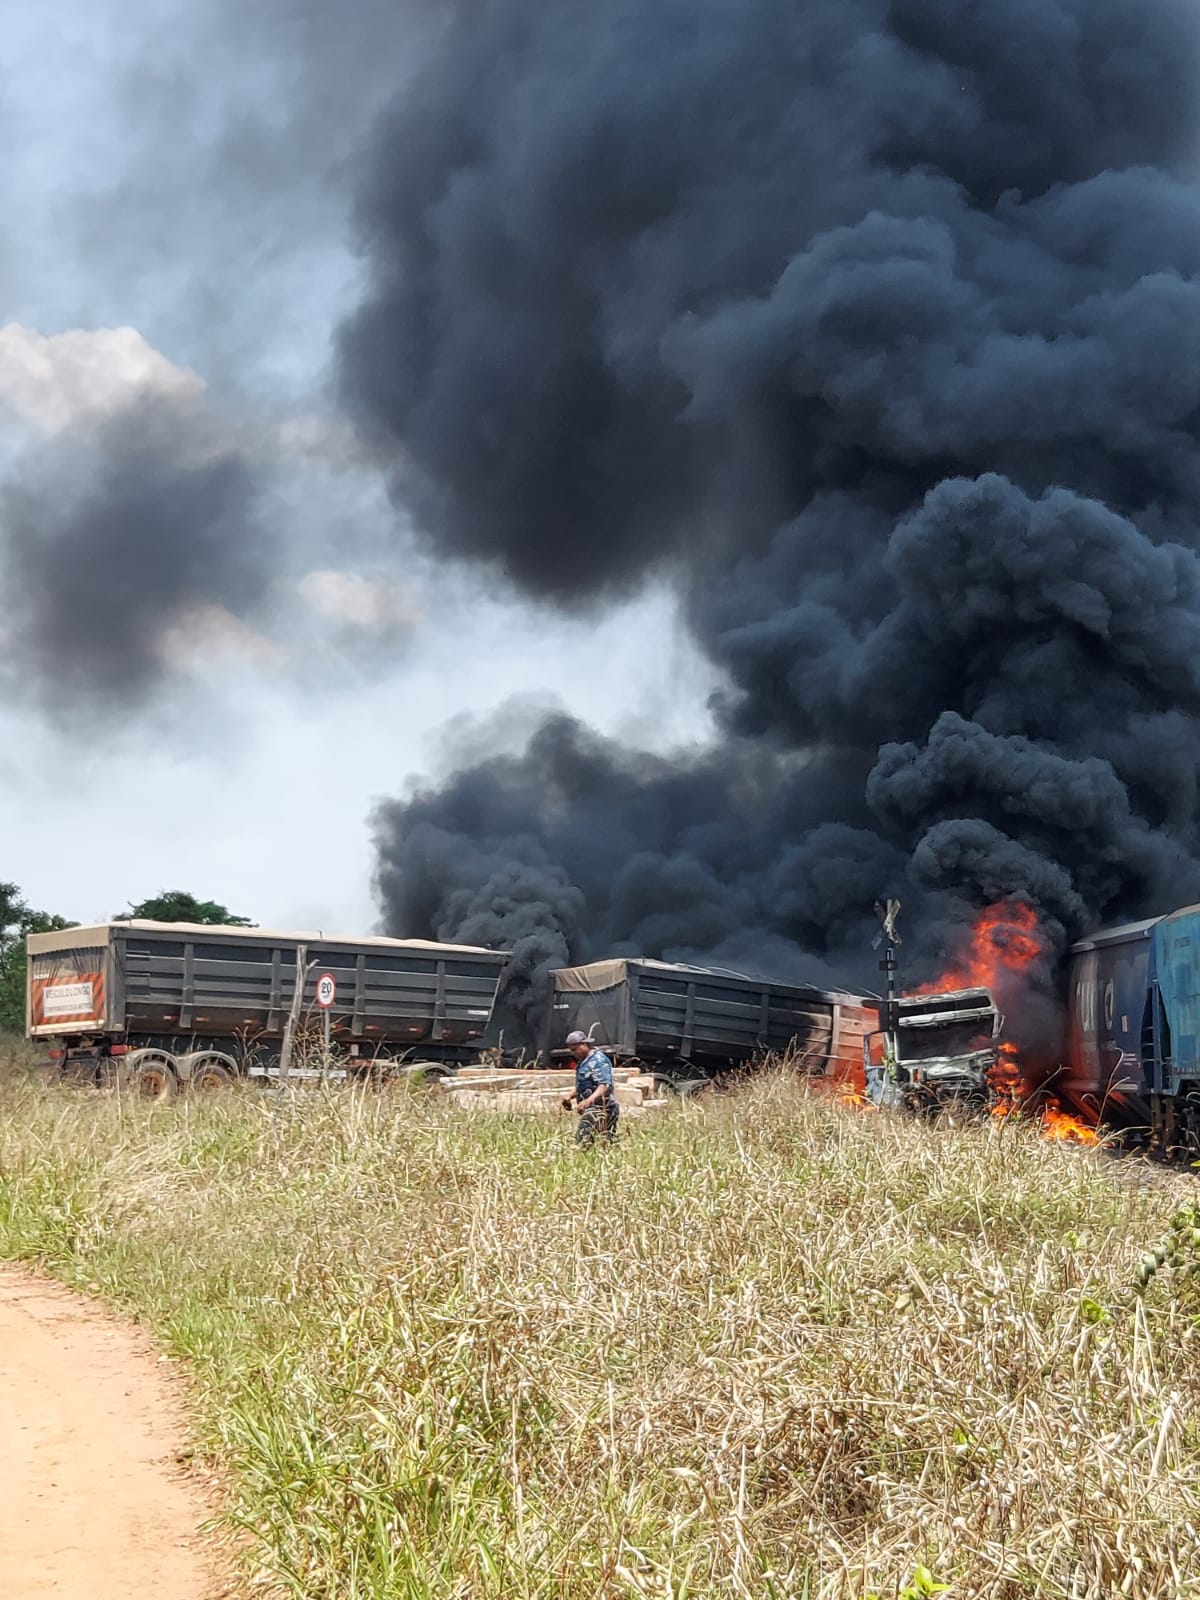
887	911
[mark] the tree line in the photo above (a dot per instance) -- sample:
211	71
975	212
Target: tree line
18	919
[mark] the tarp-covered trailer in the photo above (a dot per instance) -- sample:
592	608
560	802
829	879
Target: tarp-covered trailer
179	1001
691	1023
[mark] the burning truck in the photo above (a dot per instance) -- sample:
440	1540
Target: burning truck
933	1051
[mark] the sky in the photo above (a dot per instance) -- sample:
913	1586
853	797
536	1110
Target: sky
182	252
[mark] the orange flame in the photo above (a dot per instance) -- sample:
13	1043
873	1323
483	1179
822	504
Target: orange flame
1060	1124
1007	1083
1004	939
849	1095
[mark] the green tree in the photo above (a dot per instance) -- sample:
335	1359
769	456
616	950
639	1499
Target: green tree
173	905
17	920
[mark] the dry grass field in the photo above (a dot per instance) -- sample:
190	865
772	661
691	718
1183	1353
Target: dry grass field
768	1347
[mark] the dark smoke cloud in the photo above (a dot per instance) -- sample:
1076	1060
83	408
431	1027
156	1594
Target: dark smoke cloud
577	847
187	179
210	203
876	326
115	545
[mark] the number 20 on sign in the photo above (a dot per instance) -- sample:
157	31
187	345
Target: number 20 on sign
326	990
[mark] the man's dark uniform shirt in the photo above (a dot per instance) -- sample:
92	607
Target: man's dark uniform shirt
590	1073
596	1069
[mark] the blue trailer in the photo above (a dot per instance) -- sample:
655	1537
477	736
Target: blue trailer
1133	1038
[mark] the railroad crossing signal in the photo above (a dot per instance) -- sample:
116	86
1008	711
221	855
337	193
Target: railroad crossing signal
326	990
887	911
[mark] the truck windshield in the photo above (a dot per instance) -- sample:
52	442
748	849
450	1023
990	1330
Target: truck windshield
955	1039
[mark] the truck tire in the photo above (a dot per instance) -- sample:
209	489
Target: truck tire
210	1073
425	1074
152	1074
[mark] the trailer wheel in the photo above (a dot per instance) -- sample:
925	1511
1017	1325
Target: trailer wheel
417	1074
152	1075
209	1075
432	1075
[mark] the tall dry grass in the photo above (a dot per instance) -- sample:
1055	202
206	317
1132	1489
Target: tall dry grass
767	1347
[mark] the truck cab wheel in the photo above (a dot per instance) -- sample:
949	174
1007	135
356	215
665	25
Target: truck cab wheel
955	1111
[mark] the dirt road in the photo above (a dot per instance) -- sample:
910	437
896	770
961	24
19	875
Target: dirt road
92	1503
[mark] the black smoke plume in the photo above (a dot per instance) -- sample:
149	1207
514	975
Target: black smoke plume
875	327
119	546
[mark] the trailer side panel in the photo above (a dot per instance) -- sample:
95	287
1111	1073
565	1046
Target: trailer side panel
1109	1023
181	982
662	1013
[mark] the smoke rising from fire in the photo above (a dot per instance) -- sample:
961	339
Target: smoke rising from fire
179	180
116	537
874	326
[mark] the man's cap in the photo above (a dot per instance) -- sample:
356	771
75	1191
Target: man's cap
578	1038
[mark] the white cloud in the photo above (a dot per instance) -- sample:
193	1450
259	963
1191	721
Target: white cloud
205	637
79	380
353	601
64	380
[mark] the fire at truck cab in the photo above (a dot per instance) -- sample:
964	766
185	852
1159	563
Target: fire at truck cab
934	1050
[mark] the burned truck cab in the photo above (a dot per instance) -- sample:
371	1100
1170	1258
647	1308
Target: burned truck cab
932	1051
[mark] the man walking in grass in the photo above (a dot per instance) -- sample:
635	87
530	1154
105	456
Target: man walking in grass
595	1098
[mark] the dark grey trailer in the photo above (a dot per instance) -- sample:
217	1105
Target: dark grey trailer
189	993
688	1022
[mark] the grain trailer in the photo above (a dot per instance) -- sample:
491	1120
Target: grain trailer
169	1004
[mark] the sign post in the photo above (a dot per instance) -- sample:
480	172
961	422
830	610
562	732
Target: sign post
285	1054
326	995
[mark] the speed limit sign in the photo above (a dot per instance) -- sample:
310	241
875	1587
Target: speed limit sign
326	990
